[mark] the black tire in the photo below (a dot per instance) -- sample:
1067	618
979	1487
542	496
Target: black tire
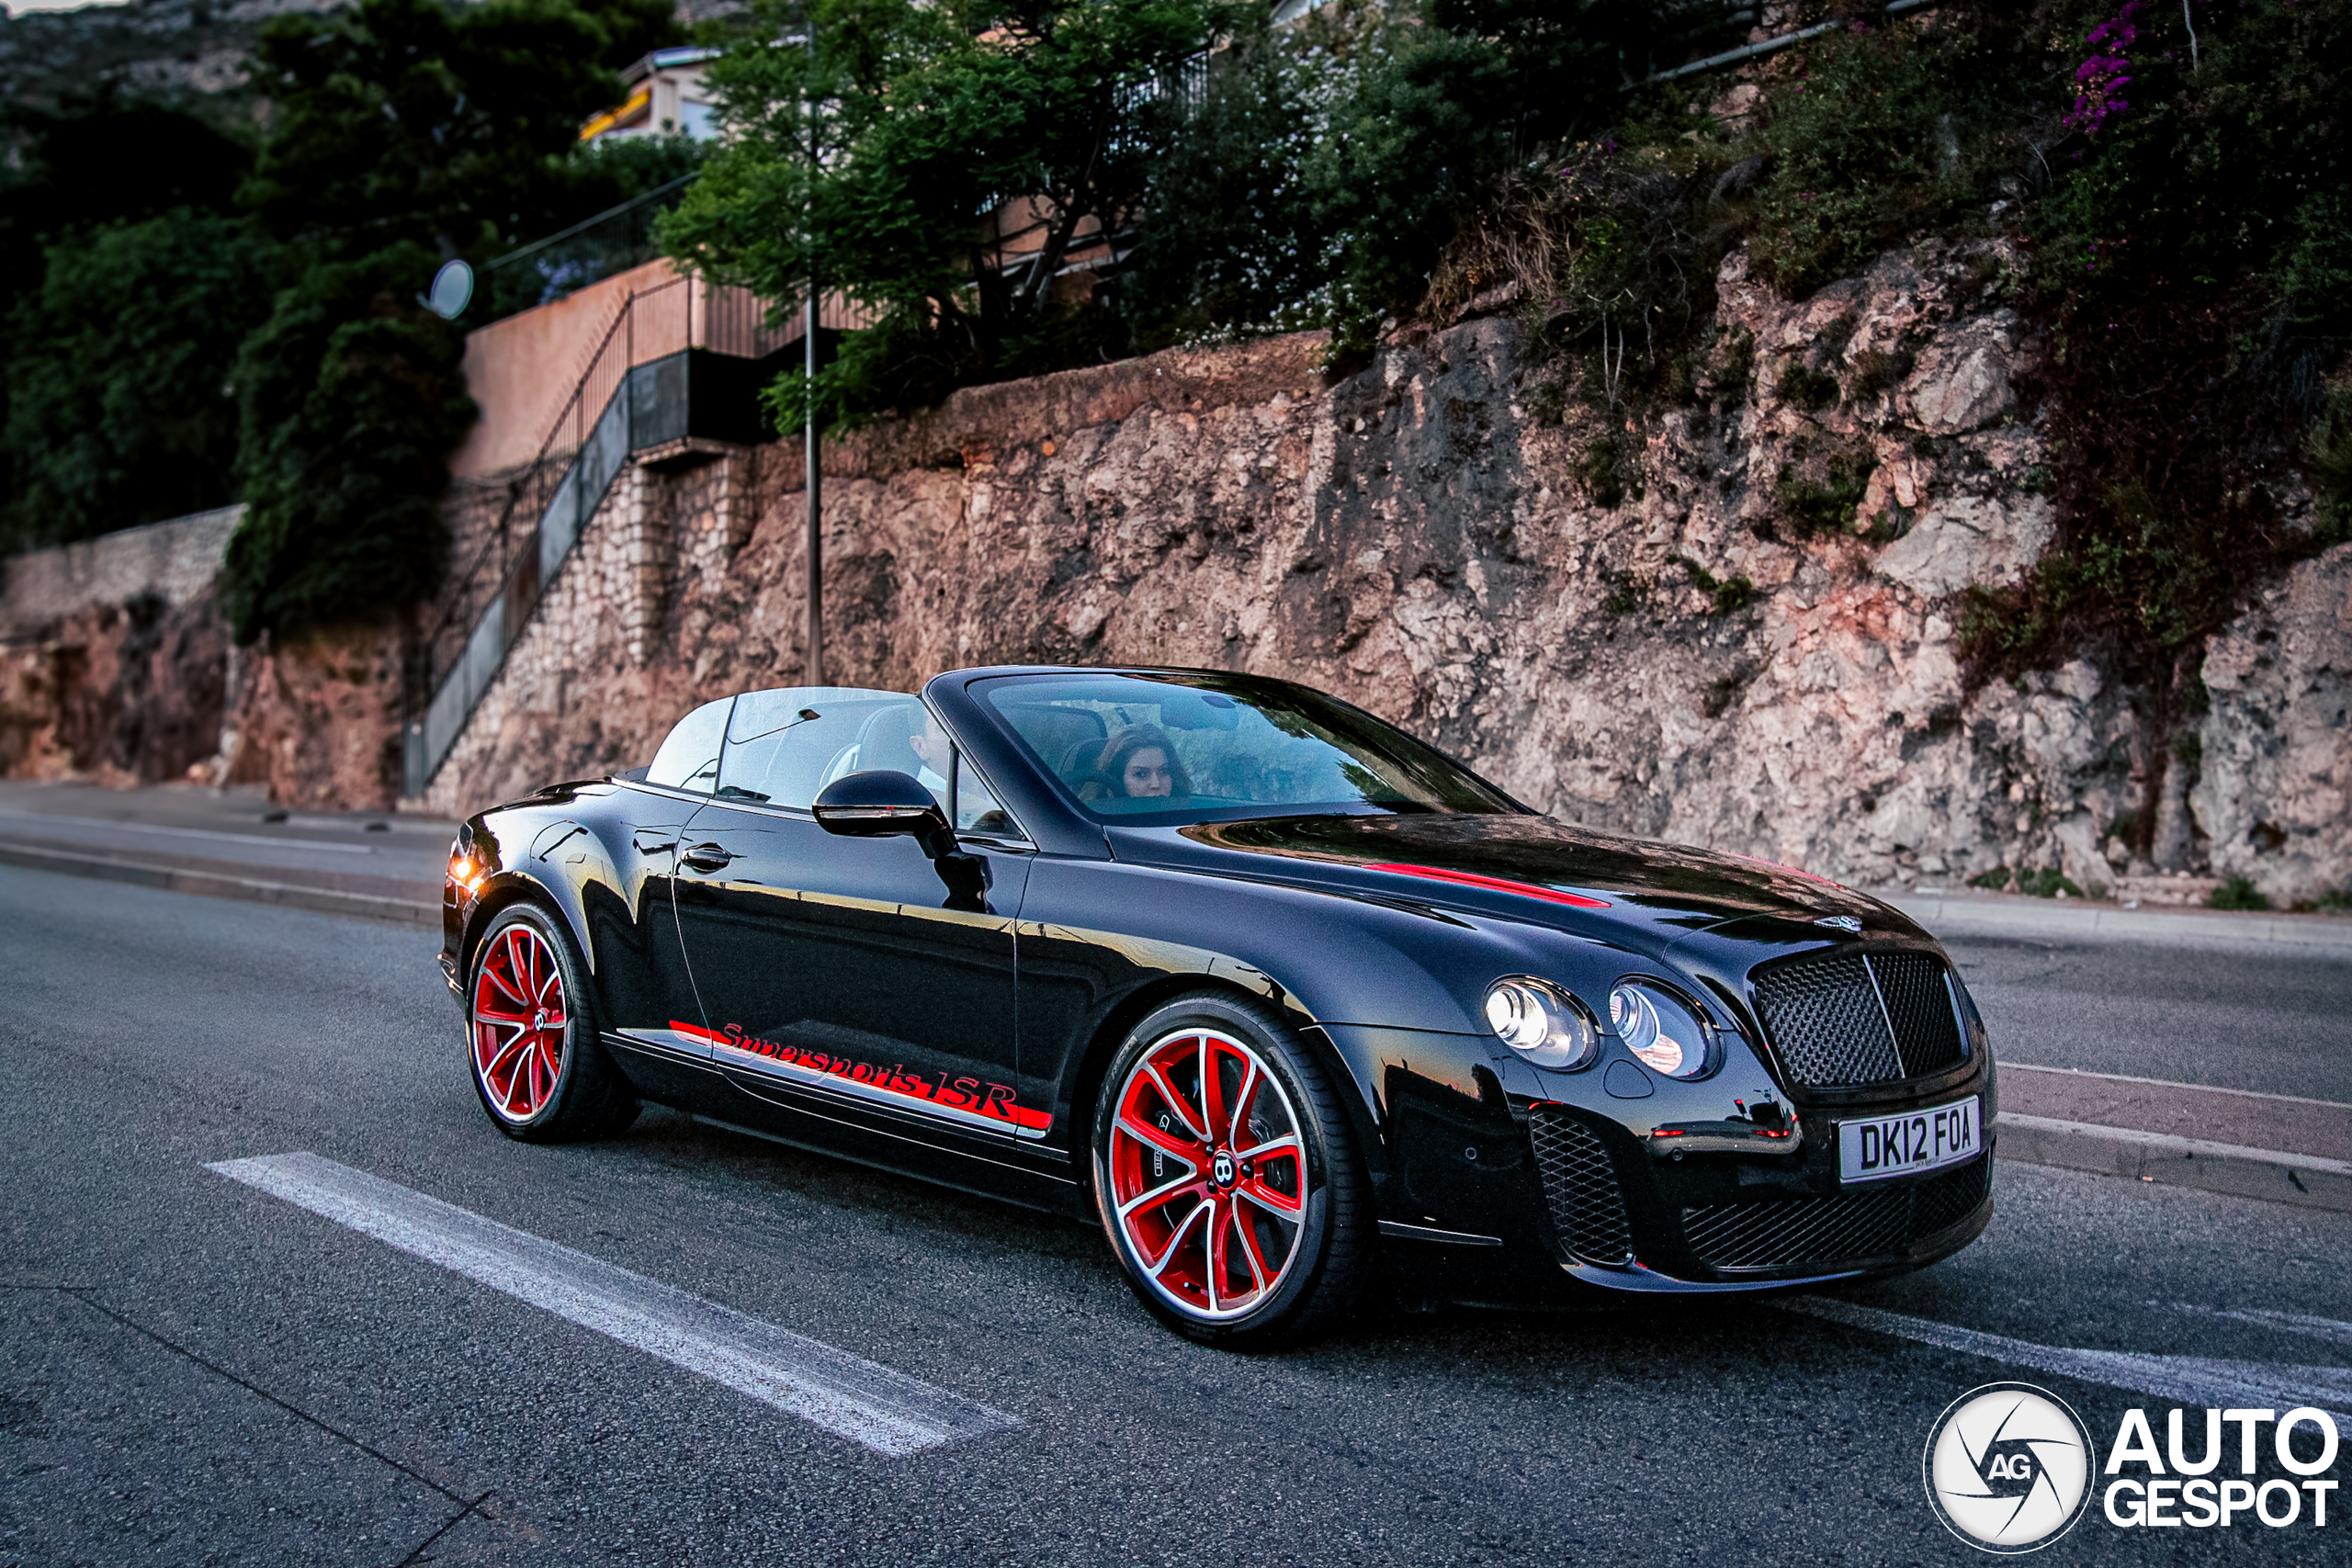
584	1096
1239	1179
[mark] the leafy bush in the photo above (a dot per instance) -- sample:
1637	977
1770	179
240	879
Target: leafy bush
1809	390
1993	881
2237	892
1813	509
2047	883
1596	468
1872	143
1731	595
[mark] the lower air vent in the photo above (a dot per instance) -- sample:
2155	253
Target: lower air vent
1786	1232
1580	1185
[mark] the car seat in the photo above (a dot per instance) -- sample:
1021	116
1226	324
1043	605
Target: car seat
1059	736
887	742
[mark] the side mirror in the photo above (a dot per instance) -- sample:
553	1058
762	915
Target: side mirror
882	802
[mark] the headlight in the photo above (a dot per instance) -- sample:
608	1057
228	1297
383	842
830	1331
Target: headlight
1541	1022
1661	1029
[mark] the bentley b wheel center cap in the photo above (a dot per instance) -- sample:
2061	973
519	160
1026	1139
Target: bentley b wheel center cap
1222	1167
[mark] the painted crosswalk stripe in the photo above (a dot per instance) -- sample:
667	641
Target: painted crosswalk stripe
885	1411
2184	1379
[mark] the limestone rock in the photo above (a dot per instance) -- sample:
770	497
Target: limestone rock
2275	788
1961	382
1969	539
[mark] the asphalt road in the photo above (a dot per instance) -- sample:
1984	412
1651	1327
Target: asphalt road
193	1371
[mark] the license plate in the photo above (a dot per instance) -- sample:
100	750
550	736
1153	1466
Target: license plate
1909	1143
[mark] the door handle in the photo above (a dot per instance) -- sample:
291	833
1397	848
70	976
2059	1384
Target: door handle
706	857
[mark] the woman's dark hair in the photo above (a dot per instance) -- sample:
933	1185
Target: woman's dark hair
1104	775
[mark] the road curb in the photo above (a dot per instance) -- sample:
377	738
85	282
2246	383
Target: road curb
2314	936
212	885
2306	1181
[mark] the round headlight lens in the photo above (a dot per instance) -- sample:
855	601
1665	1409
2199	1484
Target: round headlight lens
1660	1030
1541	1022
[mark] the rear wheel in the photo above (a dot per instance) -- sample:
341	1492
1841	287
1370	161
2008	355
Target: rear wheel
1227	1176
531	1035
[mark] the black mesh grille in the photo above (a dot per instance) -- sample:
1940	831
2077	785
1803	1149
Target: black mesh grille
1826	1019
1580	1184
1788	1231
1918	1003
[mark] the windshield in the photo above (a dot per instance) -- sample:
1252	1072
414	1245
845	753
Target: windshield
1163	749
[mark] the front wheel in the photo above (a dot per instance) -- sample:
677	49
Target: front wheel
1227	1176
531	1036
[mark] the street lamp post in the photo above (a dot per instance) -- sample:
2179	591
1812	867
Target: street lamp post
813	555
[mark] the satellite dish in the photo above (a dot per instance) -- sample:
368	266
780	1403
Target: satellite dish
453	289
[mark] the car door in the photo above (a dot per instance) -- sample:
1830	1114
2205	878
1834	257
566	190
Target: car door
846	975
650	1009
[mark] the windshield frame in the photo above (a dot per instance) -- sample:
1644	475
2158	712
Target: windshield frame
1288	695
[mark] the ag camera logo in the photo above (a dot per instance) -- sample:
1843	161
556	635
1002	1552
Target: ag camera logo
2008	1467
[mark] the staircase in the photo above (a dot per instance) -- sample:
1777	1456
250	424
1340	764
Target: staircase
683	360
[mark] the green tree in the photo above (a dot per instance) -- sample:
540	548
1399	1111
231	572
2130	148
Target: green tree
342	469
90	163
927	115
121	409
1331	161
403	133
447	124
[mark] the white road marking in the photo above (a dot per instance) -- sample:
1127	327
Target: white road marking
885	1411
2007	1066
2325	1328
2172	1142
2184	1379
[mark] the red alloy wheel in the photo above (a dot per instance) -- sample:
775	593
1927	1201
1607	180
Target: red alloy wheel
520	1023
1208	1174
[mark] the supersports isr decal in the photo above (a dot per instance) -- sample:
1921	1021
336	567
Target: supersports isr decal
967	1096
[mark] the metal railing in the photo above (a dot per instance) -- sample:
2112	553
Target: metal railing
616	407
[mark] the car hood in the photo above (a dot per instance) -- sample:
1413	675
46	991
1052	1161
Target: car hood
1567	877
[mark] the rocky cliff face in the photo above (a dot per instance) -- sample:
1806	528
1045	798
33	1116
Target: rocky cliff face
1728	623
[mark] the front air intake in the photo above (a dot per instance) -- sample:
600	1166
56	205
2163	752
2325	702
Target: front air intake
1854	1020
1581	1186
1877	1222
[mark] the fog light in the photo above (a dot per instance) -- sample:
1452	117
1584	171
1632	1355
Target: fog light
1541	1022
1663	1032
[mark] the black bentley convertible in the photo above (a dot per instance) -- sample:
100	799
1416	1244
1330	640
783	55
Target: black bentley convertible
1277	993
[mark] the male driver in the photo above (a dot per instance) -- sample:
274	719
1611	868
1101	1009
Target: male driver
975	807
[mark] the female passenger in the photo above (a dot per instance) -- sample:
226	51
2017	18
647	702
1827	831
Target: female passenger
1136	763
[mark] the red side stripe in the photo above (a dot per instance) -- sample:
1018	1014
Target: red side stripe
1493	885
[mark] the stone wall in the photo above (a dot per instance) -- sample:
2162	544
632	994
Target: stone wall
113	657
1649	640
172	563
115	667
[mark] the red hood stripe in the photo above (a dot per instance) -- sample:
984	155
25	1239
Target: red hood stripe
1491	884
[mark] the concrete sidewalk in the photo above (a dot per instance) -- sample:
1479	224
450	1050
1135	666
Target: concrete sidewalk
2072	919
2281	1147
230	845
